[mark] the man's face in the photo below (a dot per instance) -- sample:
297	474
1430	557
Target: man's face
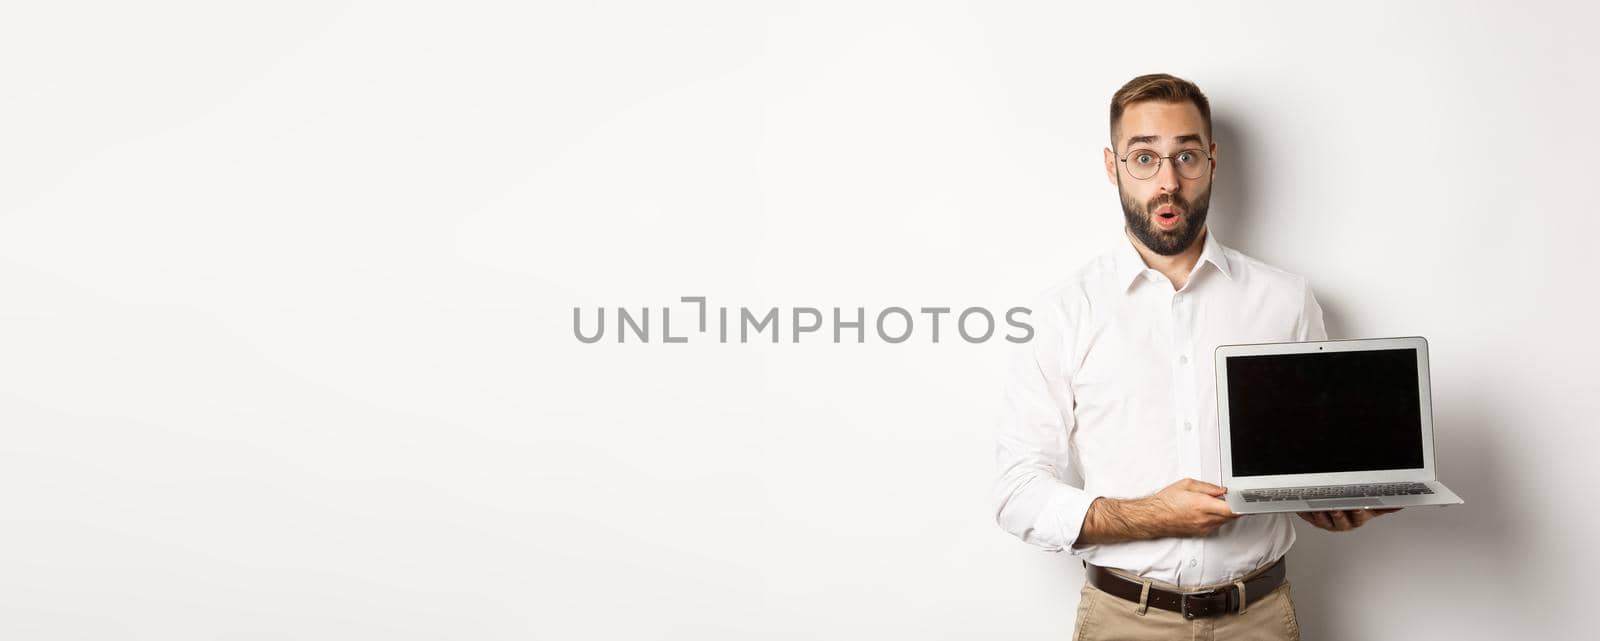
1167	211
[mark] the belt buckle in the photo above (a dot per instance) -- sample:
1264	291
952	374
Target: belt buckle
1218	596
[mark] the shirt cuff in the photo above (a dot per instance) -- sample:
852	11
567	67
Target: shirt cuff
1071	506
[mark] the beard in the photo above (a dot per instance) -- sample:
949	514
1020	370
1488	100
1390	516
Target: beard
1166	242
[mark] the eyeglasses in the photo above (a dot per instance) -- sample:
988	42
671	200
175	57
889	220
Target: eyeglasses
1144	163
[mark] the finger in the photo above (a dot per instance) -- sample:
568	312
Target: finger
1324	521
1359	518
1202	486
1319	519
1216	507
1340	521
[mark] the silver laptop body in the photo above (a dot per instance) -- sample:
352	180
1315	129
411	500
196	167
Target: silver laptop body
1327	425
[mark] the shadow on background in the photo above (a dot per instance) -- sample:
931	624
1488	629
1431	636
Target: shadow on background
1234	204
1339	576
1419	551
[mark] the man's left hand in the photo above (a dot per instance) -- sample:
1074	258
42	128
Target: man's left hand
1342	520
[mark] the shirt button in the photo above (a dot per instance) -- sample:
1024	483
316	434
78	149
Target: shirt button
1192	562
1183	360
1187	426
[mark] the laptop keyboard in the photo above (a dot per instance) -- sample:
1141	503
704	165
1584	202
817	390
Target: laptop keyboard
1334	492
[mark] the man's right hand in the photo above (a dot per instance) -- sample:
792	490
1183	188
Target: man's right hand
1193	508
1187	508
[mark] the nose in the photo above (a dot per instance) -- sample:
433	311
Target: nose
1167	176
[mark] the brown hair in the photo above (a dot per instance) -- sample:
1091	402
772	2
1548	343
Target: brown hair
1159	87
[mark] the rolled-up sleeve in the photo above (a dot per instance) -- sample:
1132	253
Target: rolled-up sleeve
1033	499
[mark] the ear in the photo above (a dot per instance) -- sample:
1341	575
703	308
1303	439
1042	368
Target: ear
1111	165
1213	154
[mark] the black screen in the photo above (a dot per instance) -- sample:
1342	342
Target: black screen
1324	412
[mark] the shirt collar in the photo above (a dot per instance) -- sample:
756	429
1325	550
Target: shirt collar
1130	264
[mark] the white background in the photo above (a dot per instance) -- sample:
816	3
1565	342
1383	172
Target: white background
287	300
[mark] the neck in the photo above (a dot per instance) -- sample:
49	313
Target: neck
1177	266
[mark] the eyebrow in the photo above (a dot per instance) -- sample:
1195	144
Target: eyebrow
1194	138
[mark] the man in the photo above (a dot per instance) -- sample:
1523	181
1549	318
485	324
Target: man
1110	429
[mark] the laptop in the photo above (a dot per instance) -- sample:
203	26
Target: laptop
1327	425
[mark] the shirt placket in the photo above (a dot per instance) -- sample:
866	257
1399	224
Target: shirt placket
1186	422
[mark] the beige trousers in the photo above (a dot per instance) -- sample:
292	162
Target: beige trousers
1102	617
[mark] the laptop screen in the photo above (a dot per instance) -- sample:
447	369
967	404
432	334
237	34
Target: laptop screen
1349	411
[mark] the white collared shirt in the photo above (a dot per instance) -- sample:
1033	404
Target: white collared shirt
1115	396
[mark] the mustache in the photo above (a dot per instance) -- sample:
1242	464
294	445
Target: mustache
1166	199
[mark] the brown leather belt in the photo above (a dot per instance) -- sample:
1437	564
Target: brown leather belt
1191	605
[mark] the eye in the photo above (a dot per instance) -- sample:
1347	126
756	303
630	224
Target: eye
1188	158
1144	158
